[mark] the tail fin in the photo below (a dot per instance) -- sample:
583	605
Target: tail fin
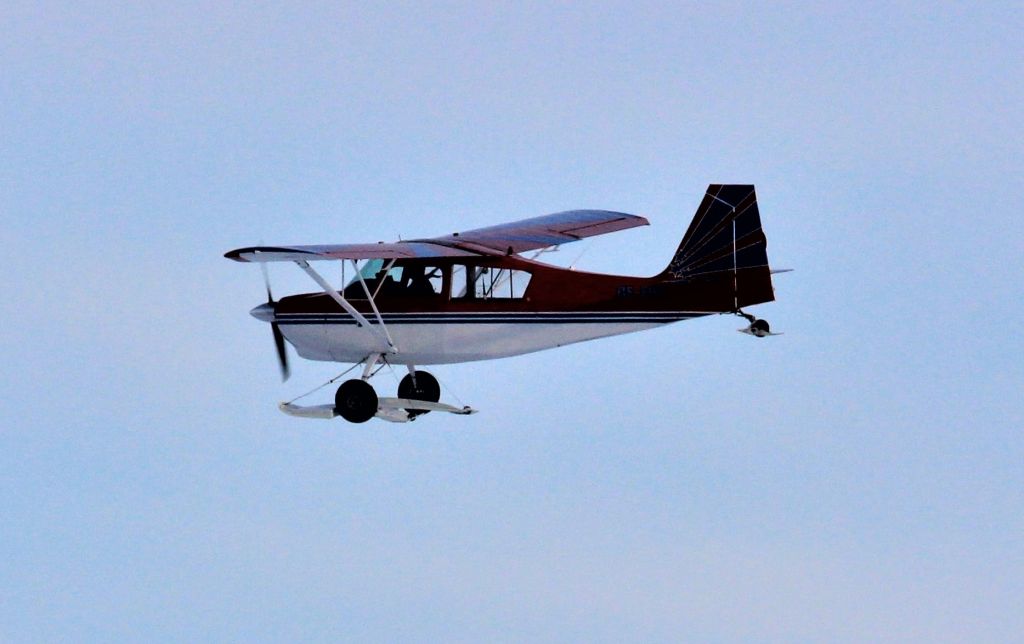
725	242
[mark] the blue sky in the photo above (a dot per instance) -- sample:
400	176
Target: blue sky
858	478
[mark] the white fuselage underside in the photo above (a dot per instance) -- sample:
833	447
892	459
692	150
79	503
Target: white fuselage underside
450	338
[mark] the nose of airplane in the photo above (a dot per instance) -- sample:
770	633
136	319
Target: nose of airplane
264	312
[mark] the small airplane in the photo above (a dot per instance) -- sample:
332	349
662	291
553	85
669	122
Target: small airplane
472	295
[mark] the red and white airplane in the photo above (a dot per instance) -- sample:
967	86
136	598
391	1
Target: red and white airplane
473	296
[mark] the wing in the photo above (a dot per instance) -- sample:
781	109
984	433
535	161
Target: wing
540	232
399	250
515	237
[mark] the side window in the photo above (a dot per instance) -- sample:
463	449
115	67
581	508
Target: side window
467	281
460	287
518	282
485	282
504	283
435	277
419	281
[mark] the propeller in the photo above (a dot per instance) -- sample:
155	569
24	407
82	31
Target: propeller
282	350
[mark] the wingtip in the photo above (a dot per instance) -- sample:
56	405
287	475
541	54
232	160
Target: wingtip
236	254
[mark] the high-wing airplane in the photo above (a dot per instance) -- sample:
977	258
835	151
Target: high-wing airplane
473	296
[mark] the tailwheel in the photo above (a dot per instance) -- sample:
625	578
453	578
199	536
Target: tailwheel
425	388
760	328
355	401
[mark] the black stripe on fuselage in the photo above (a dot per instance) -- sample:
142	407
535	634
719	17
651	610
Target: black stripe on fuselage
630	317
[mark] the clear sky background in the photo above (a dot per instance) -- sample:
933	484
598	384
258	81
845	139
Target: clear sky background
859	478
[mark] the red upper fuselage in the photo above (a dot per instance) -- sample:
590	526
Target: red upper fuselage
550	289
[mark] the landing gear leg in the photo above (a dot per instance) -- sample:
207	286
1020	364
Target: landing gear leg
371	362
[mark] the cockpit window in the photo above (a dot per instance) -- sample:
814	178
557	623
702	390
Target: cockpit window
401	280
371	272
418	280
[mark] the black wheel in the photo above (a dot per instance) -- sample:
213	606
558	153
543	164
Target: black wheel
426	388
760	327
356	401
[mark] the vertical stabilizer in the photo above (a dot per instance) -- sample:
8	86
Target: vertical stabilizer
725	243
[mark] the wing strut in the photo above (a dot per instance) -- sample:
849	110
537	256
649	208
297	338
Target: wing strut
373	305
351	310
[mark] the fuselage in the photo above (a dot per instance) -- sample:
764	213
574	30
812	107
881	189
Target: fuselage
446	310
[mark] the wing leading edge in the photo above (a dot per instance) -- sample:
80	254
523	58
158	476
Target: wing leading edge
515	237
398	250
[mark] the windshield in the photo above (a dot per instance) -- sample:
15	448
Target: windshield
370	270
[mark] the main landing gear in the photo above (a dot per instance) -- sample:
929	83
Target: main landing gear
357	402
